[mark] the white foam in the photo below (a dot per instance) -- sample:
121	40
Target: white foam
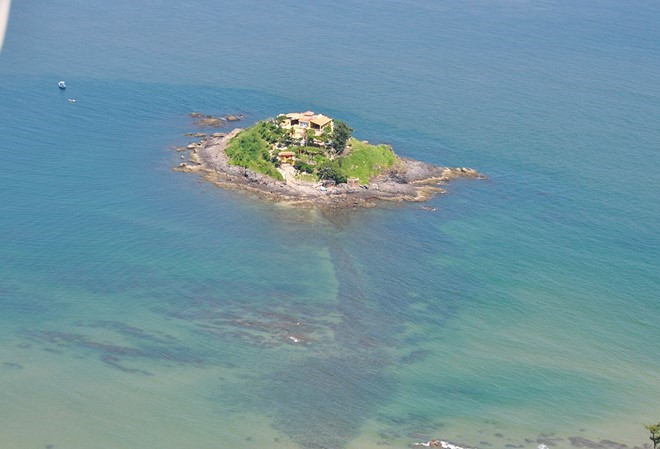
442	444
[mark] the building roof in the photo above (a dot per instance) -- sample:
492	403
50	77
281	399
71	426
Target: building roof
321	120
309	116
286	154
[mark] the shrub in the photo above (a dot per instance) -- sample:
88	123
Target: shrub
249	149
303	166
332	170
340	134
310	137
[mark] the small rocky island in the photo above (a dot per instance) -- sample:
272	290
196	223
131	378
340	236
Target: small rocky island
311	159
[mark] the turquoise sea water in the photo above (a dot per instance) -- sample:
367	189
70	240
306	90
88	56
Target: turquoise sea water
140	307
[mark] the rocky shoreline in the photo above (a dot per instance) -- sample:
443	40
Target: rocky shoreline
407	180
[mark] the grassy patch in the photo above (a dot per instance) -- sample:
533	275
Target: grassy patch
307	177
249	149
366	160
256	148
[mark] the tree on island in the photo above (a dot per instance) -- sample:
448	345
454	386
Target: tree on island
325	137
286	136
654	429
332	170
303	167
310	136
340	134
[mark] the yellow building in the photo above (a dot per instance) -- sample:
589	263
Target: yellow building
300	122
286	157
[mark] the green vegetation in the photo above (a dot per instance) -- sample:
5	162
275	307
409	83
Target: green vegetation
308	151
306	177
303	166
256	148
250	149
654	430
341	133
332	170
310	136
365	160
325	137
272	133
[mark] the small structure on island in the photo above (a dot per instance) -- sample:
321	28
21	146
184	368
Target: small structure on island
300	122
320	123
286	157
308	158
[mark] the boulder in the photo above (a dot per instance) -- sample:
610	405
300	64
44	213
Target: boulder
211	122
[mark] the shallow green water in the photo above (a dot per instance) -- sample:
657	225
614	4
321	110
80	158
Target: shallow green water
140	307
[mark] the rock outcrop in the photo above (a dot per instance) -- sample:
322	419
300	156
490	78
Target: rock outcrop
407	180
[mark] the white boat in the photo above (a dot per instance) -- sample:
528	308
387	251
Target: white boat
62	85
72	100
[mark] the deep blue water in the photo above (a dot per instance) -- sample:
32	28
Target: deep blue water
140	307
